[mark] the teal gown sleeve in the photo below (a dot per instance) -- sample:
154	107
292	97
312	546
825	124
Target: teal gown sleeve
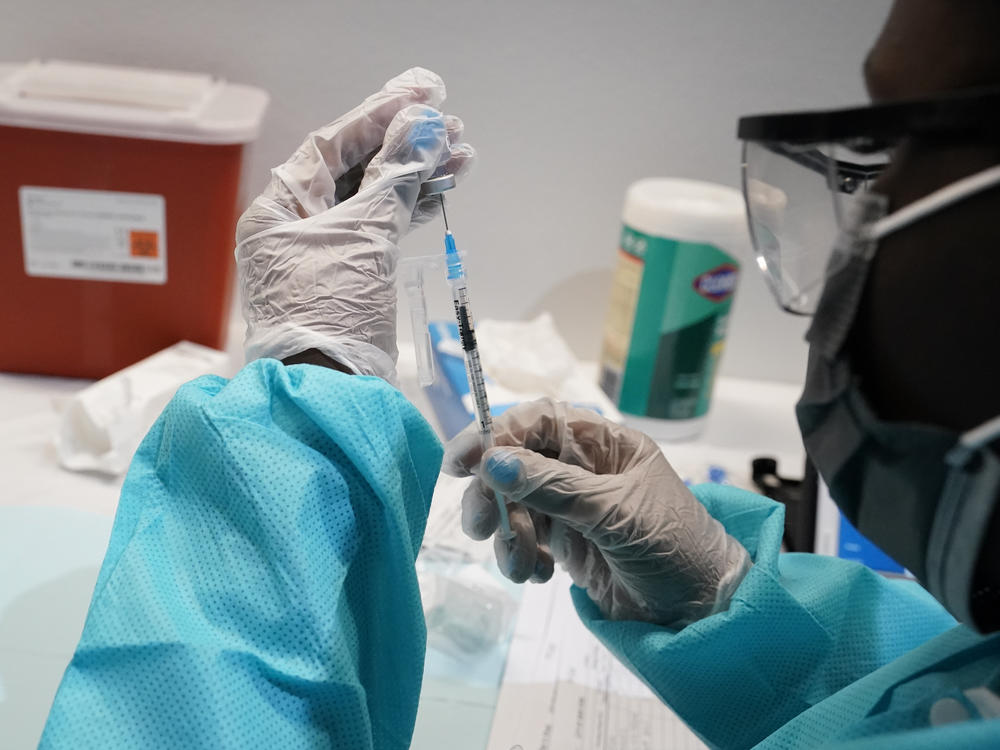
259	588
799	628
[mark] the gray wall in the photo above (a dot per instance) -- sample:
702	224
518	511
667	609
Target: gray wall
567	102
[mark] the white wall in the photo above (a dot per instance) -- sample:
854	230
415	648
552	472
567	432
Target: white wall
567	102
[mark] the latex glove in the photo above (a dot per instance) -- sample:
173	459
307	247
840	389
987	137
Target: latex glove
602	500
317	251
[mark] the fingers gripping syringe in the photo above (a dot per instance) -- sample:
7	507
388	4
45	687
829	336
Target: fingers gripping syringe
467	333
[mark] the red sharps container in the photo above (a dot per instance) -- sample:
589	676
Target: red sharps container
118	201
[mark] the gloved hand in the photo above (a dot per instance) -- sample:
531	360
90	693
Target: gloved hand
316	252
601	500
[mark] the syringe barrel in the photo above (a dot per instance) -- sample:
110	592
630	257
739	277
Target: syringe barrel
473	364
486	439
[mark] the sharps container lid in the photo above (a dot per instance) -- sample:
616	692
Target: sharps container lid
129	102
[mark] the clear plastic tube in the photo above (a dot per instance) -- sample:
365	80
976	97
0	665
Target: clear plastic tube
413	283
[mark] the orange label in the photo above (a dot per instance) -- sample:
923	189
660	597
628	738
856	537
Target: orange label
143	244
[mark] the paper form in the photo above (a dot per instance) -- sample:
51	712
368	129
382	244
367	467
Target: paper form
563	690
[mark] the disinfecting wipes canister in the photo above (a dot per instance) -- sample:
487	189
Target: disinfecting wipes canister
669	307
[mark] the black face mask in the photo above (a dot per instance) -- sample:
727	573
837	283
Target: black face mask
924	494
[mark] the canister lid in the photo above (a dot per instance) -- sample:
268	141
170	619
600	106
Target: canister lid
130	102
688	210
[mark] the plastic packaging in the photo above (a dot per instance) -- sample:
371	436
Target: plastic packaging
673	289
414	275
466	609
411	277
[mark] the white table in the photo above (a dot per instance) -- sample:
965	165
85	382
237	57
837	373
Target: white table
54	527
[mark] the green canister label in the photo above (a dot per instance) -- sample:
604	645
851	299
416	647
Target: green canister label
666	325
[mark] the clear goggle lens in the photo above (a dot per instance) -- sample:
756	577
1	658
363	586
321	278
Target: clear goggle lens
798	200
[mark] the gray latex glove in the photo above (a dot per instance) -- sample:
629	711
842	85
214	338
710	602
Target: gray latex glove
602	500
316	252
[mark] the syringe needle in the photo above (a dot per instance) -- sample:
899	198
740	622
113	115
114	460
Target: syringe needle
444	213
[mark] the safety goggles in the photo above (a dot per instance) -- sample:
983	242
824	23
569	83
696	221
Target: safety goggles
803	171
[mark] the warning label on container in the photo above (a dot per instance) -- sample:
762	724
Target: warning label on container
94	234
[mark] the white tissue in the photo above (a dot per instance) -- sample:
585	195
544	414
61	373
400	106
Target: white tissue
525	355
530	359
103	424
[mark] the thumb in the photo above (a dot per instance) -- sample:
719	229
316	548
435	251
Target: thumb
560	490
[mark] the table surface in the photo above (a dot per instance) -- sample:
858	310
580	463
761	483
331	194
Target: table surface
54	527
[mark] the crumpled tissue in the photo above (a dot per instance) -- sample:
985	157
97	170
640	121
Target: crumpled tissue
103	424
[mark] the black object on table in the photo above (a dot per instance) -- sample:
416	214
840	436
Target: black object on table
797	495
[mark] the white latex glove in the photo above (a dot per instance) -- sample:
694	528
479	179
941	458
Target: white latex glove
316	252
602	500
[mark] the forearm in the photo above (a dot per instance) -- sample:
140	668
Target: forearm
798	628
316	357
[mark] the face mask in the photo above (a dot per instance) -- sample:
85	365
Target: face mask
923	493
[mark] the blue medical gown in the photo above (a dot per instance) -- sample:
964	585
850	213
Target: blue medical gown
813	652
259	588
259	591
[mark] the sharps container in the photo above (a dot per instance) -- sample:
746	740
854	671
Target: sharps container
118	203
672	292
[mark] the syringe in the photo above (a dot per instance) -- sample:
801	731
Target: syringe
467	334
